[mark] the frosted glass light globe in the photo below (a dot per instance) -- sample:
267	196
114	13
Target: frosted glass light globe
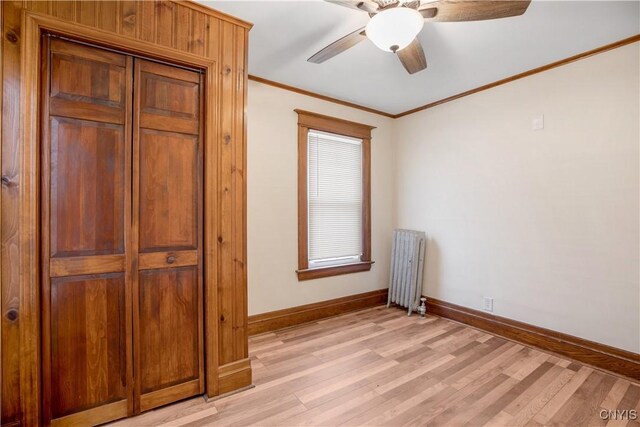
394	29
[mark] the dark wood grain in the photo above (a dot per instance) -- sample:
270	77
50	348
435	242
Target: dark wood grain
169	190
600	355
84	194
87	174
121	26
11	236
169	327
88	360
168	207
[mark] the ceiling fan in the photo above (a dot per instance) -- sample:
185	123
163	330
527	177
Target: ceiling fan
395	24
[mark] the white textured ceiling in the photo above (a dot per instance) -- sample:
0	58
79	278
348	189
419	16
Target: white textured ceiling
460	56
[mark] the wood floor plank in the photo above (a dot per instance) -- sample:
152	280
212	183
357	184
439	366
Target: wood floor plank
380	367
554	405
533	391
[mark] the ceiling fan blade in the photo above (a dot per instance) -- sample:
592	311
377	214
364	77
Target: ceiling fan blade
412	4
474	10
368	6
428	13
412	57
338	46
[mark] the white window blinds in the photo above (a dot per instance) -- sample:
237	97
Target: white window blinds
334	189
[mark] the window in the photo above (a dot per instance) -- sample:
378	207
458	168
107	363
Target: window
334	211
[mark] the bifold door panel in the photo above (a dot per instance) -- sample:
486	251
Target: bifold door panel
122	318
86	296
168	308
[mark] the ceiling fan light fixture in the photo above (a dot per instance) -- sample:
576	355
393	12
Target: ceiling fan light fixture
394	29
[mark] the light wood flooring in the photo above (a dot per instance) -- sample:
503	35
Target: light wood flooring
378	367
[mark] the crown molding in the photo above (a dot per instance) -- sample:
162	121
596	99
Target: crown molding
528	73
496	83
318	96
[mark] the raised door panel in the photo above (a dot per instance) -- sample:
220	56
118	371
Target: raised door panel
168	191
169	98
168	202
87	181
170	332
88	83
88	359
86	291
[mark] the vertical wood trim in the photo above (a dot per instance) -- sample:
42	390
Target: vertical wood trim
28	228
225	240
303	219
238	175
45	219
211	231
131	243
135	240
366	199
308	120
233	181
244	91
2	293
201	282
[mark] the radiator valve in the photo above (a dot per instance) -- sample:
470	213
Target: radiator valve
422	310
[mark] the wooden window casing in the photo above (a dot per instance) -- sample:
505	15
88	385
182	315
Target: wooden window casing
313	121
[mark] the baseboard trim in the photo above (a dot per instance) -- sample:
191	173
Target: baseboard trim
234	376
602	356
280	319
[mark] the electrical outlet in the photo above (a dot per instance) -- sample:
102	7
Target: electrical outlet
488	304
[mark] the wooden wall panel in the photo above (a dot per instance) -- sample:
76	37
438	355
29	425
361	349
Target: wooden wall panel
86	13
128	18
107	15
239	204
182	21
164	23
186	27
11	402
199	34
225	263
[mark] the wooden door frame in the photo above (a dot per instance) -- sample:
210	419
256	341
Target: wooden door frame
33	26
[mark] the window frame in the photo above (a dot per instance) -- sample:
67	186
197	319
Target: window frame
314	121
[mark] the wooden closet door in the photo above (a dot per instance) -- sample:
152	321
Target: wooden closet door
167	194
86	303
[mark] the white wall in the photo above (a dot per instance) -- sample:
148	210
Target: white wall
273	196
545	222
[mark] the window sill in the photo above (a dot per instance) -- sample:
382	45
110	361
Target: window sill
334	270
